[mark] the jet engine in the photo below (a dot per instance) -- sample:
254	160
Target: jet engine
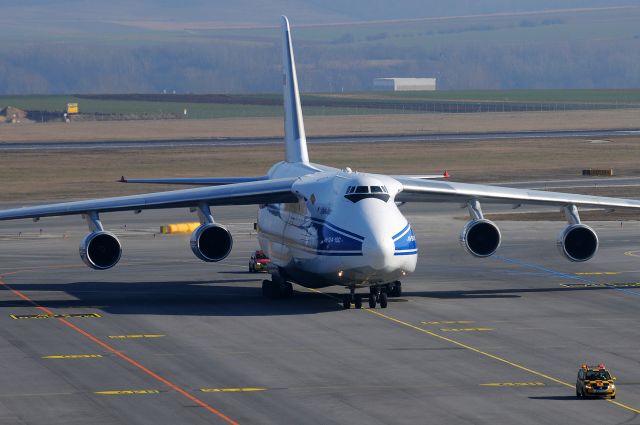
481	238
211	242
578	242
100	250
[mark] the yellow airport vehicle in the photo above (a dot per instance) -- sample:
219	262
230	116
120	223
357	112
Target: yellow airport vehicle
72	108
595	381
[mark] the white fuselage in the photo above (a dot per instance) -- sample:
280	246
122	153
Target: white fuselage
345	230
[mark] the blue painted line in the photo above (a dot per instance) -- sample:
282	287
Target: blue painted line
563	275
549	271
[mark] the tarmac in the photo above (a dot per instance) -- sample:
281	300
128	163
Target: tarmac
163	338
42	146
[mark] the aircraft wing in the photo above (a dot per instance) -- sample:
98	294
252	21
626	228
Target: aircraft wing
259	192
415	190
205	181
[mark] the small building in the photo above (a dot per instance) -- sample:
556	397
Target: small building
404	84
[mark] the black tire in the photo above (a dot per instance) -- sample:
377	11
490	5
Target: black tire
383	300
346	302
613	397
266	288
372	301
357	300
395	289
286	289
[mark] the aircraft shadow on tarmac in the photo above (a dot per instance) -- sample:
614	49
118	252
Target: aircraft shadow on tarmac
495	293
556	397
223	297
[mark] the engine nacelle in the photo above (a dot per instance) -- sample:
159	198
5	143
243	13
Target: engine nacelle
578	242
481	238
211	242
100	250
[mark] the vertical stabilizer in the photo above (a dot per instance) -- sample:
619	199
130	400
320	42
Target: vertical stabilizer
294	138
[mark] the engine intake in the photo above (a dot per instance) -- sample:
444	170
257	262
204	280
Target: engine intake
100	250
578	242
211	242
481	238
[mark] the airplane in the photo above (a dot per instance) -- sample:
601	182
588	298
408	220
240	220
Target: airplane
322	226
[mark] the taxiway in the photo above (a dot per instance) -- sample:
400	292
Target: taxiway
163	338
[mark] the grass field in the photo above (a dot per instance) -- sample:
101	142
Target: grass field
81	174
362	103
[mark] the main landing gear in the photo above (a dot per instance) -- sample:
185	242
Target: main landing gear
276	288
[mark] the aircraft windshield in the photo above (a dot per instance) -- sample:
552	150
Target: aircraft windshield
357	193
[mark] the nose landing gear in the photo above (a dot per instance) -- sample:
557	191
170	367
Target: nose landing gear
347	299
377	296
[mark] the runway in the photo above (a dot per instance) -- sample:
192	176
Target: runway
164	338
409	138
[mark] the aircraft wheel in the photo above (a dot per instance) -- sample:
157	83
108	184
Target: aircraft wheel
383	300
286	289
395	289
372	301
358	300
346	301
267	289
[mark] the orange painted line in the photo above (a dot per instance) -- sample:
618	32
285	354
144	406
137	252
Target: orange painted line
124	357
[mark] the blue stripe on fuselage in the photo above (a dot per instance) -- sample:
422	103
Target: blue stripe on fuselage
405	242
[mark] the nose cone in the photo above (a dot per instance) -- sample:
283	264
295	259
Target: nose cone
378	251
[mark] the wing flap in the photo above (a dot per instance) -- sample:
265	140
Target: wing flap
415	190
262	192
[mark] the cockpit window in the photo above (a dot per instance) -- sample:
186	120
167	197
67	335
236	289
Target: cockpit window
357	193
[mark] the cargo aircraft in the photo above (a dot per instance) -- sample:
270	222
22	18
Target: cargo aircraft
323	226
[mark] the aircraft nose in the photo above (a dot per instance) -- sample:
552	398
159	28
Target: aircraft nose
378	251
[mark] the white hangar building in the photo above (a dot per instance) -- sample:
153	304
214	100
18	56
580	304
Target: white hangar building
404	84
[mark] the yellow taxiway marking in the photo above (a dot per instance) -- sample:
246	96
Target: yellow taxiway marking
632	253
136	336
231	390
74	356
601	285
448	322
466	329
487	354
513	384
478	351
55	316
127	392
596	273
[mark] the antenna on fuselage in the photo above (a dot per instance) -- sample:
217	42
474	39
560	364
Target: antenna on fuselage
295	141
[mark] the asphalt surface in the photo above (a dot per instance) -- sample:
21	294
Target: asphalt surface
471	341
423	138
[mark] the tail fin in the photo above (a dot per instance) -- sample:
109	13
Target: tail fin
294	137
